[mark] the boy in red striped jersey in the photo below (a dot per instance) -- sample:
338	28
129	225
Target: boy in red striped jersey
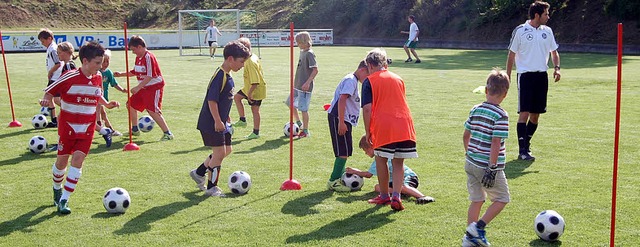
80	92
147	95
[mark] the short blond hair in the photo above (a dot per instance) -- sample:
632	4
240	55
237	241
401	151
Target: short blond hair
68	47
364	144
304	38
246	42
376	57
497	82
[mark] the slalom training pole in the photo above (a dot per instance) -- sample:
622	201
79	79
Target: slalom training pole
291	184
13	123
131	146
614	187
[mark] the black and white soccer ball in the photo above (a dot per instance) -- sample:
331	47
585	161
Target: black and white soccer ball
549	225
44	111
352	181
239	182
116	200
146	123
286	130
37	144
39	121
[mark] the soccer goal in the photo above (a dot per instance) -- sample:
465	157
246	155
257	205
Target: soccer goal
232	23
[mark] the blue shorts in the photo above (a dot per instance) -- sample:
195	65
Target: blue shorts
301	100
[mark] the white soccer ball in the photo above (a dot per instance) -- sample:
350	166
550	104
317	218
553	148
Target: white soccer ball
146	123
296	129
116	200
352	181
39	121
44	111
549	225
229	128
37	144
239	182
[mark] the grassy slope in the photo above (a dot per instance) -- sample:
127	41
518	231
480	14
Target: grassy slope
571	176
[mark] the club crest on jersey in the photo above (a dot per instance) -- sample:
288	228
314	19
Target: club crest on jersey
529	37
544	35
97	92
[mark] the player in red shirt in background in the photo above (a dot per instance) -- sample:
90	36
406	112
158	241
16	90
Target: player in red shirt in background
80	92
147	95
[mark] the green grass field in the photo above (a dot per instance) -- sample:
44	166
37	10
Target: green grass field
572	173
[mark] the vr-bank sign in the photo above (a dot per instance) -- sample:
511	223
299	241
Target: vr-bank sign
22	41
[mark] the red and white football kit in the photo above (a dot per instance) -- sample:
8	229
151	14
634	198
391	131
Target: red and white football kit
79	96
149	97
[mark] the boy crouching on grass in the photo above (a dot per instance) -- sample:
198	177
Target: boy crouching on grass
484	143
410	183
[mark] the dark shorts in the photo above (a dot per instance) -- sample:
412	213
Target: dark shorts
411	181
342	144
411	44
211	42
216	139
404	150
252	102
50	82
532	92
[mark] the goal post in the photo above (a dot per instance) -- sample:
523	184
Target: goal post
232	23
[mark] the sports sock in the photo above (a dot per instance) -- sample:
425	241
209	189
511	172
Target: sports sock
72	181
104	131
338	168
168	132
395	195
134	128
384	195
54	119
256	131
215	172
481	224
58	176
202	169
522	135
51	112
299	123
243	119
306	131
531	129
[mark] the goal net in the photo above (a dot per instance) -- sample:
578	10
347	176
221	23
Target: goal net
232	23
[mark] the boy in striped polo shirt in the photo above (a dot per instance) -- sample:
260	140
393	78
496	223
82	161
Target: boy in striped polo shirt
484	137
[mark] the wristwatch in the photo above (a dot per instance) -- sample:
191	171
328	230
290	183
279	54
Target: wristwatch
557	67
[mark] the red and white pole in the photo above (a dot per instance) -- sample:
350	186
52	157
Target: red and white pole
13	123
614	189
131	146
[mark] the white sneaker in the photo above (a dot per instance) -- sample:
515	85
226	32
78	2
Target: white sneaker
214	191
198	179
477	235
466	242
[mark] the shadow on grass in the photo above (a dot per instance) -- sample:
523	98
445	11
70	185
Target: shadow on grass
27	155
25	221
115	145
201	148
302	206
22	131
267	145
540	242
346	227
348	198
516	168
231	209
142	222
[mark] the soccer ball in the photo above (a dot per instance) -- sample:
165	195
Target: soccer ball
116	200
146	123
549	225
229	128
37	144
44	111
352	181
39	121
239	182
296	129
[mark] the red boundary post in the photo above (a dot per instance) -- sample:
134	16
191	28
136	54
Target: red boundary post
13	123
130	146
291	184
614	189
